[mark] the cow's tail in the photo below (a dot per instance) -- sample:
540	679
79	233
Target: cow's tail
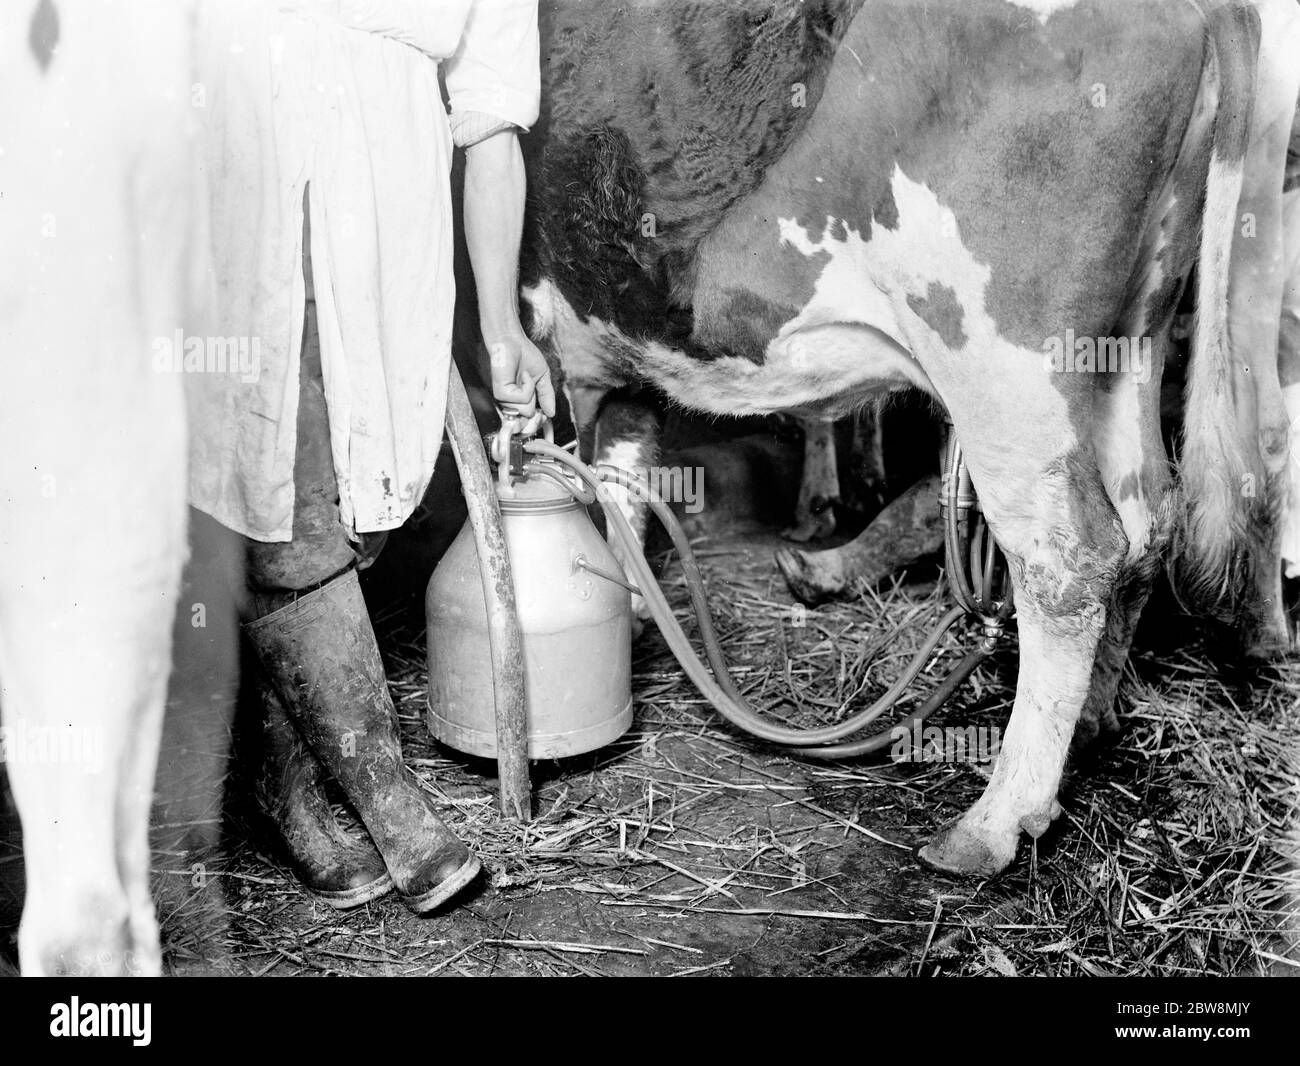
1220	466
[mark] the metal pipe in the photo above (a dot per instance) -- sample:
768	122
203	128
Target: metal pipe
504	635
957	501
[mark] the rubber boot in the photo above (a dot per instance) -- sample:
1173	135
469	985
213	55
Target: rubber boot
321	655
330	852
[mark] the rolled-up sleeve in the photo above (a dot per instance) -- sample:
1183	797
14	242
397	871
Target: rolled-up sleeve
494	78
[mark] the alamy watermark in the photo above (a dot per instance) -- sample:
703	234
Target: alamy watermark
181	354
128	1020
944	744
672	484
24	743
1073	354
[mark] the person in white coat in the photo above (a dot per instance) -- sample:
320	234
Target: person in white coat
328	155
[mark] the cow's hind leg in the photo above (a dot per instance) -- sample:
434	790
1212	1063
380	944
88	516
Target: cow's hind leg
135	798
85	648
1132	590
84	687
1065	547
819	483
906	531
1137	479
867	457
627	436
76	919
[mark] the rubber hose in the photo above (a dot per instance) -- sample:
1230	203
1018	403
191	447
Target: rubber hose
691	572
956	677
734	710
699	595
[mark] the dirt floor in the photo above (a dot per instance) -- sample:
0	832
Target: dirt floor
686	848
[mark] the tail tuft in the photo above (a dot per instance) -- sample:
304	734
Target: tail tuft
1222	474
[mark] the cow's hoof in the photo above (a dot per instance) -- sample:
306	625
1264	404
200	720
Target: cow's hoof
1262	636
1260	646
1095	730
1264	649
812	579
95	954
957	849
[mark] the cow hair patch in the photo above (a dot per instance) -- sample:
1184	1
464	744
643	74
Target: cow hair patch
589	216
698	114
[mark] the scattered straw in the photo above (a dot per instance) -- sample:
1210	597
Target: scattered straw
1176	852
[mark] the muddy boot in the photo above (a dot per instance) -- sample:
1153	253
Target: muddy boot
331	853
321	655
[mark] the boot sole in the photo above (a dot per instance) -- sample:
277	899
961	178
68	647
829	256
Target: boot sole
445	890
352	898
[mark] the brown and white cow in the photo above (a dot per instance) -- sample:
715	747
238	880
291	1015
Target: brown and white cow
98	204
775	206
1264	280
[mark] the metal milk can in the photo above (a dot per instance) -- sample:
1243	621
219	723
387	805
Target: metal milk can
576	627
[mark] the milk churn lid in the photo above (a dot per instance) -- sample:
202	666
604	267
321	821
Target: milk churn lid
534	494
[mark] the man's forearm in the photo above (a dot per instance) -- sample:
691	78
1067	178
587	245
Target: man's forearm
494	219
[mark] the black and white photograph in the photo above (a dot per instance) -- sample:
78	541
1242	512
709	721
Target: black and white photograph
651	488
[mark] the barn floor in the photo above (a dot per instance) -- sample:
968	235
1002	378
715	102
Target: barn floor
680	849
687	849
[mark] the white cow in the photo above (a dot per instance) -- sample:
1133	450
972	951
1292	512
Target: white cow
99	210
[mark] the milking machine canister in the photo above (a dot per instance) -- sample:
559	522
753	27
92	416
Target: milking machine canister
574	617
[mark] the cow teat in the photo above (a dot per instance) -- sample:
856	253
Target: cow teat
43	33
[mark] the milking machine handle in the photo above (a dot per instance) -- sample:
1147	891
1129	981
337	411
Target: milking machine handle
505	447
